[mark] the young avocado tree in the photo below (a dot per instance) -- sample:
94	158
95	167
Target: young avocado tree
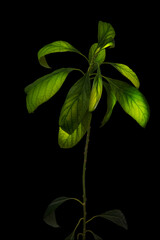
76	113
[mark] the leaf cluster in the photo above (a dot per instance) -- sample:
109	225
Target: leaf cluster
115	216
85	94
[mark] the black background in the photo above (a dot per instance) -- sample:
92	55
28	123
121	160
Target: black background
122	157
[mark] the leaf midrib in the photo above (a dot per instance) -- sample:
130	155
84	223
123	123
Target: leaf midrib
74	100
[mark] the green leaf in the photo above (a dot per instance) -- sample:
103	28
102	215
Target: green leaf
127	72
67	140
106	34
55	47
96	237
96	91
49	215
45	87
131	100
96	55
111	101
115	216
71	236
75	105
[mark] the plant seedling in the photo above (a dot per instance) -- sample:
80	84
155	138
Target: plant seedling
76	113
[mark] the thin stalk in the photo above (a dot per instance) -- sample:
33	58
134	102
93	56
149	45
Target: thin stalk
84	56
85	162
84	183
92	219
77	225
77	200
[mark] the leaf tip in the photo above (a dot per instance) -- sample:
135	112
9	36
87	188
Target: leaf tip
43	62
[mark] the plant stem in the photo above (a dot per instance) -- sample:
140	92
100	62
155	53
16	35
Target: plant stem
85	161
84	183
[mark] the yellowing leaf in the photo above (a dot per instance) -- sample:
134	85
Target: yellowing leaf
131	100
96	91
55	47
45	87
111	101
67	140
127	72
75	105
